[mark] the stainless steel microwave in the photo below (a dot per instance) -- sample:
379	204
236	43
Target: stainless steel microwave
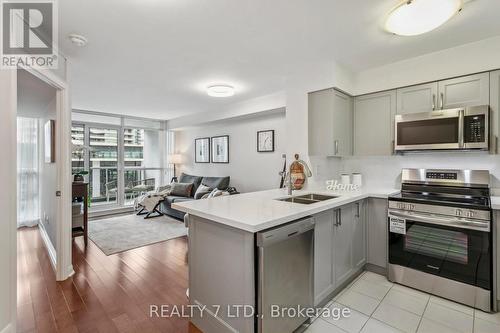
459	129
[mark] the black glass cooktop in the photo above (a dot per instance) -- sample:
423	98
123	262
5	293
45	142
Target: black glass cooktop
467	201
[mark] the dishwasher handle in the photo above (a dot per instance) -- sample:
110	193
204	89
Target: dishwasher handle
278	234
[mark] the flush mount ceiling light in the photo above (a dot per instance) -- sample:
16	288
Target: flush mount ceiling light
78	40
415	17
220	90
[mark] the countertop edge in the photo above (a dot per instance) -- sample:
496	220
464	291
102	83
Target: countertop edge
276	222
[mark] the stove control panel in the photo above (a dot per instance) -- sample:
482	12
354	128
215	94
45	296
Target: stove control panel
441	175
405	206
465	213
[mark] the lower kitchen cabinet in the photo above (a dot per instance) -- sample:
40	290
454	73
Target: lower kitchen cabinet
359	235
343	243
496	222
377	232
339	247
324	275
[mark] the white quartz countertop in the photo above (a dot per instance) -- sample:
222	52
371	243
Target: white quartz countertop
495	202
257	211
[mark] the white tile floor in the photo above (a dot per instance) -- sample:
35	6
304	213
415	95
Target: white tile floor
379	306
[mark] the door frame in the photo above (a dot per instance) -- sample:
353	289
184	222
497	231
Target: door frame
62	263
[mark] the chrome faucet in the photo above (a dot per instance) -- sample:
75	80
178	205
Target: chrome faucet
287	175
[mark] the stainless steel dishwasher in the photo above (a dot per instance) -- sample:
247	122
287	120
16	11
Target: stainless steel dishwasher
285	275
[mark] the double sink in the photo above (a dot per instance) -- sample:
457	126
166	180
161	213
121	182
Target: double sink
308	199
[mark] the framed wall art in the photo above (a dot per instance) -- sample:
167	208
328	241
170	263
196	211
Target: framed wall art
265	141
220	149
49	130
202	150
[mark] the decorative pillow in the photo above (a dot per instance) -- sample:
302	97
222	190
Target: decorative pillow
201	191
181	189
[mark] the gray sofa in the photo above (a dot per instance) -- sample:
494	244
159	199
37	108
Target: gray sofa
222	183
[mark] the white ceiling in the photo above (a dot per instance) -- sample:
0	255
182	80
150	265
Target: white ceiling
154	58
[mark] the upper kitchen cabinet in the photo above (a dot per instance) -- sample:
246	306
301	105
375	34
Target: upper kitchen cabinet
494	110
330	123
414	99
374	123
464	91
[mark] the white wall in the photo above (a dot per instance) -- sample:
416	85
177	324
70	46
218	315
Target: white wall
385	171
470	58
248	169
8	100
48	178
314	77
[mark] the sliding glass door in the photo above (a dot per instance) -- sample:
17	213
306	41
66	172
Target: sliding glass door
123	161
103	165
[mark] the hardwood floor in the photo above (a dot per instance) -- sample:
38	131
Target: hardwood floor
106	294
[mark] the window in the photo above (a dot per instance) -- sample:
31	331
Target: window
123	161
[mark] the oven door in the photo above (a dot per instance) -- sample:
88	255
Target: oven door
455	250
429	130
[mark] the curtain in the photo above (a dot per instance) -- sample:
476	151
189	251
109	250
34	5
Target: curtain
170	149
28	212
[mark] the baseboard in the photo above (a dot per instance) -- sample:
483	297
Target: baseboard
8	329
376	269
50	247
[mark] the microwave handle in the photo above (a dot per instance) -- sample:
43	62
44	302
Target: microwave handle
461	140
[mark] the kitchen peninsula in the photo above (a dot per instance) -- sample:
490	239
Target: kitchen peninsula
350	231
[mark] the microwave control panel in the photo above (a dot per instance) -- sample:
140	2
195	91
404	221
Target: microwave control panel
474	129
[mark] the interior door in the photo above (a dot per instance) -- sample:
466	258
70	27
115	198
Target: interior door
420	98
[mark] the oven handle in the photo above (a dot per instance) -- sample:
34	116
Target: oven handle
461	223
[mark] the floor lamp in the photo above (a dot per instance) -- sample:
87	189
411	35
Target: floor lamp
174	159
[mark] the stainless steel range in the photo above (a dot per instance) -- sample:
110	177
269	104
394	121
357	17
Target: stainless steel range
440	235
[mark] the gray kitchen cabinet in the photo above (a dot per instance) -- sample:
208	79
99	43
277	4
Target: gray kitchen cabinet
496	221
359	235
377	232
342	243
420	98
494	110
330	123
374	123
324	275
464	91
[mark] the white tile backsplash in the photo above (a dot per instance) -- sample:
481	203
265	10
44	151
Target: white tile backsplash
386	170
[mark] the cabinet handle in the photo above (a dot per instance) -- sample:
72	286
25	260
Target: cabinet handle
442	101
357	210
433	102
336	144
340	216
393	148
337	217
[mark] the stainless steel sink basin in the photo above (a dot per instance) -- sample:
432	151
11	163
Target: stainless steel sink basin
316	197
308	199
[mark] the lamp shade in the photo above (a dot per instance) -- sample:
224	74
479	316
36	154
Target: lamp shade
174	158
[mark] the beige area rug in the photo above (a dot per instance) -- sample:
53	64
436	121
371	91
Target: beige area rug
123	233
